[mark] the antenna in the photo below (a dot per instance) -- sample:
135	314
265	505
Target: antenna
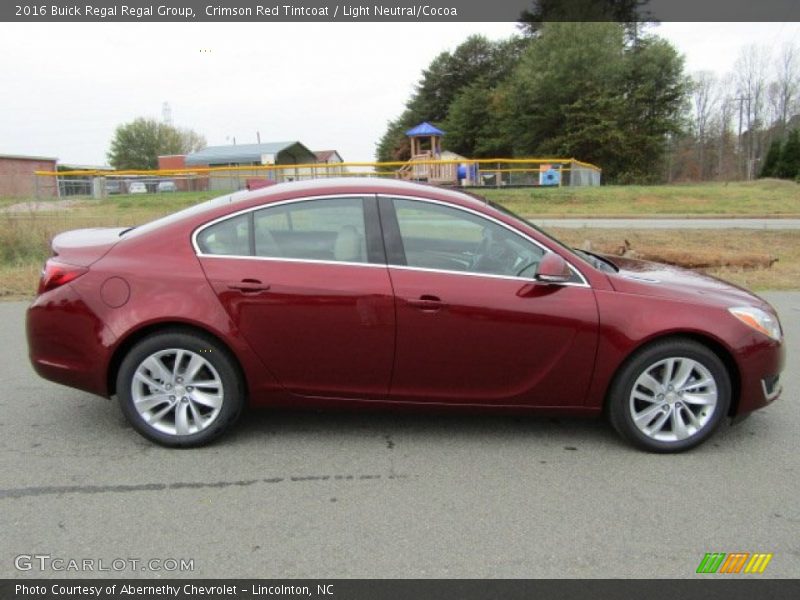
166	113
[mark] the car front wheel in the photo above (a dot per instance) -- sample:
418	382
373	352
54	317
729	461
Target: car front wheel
179	389
670	396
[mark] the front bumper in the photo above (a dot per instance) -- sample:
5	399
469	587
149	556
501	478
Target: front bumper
760	367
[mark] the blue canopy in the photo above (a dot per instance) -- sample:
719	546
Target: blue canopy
424	129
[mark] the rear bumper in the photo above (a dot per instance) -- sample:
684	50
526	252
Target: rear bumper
67	342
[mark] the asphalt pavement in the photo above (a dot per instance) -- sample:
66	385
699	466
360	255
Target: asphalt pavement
294	495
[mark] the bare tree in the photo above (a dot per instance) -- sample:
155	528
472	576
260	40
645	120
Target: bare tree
704	100
786	85
751	82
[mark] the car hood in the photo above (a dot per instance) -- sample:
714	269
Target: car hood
647	278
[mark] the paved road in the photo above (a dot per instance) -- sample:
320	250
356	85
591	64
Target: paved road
315	495
698	223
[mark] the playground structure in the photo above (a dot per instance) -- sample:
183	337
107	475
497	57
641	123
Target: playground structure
428	163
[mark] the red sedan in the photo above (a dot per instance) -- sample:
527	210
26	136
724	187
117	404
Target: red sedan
366	293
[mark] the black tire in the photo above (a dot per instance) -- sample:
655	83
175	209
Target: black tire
218	357
621	406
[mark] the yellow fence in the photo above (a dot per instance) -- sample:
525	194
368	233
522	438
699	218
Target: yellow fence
494	172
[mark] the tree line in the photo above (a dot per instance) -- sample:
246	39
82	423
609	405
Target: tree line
611	93
743	124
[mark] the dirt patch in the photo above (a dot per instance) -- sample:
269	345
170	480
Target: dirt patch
696	259
43	206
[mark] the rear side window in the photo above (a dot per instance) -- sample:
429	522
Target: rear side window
230	237
326	229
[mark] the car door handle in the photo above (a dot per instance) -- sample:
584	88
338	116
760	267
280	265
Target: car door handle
427	303
249	286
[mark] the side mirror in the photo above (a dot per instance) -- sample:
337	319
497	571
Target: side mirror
553	269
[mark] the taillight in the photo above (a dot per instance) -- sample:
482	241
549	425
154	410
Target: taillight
56	274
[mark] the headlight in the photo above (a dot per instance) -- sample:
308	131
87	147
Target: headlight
759	320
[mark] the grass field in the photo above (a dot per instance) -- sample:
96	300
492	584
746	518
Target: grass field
767	198
25	232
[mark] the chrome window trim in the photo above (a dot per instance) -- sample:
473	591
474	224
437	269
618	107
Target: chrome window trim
573	268
386	265
314	261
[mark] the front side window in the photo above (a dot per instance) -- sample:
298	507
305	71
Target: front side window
326	229
449	239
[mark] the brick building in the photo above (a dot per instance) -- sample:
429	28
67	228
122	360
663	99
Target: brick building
17	179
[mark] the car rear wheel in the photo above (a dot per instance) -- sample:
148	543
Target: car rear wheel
179	389
670	396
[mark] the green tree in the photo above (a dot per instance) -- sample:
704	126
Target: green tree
138	144
769	169
581	91
476	61
474	123
788	166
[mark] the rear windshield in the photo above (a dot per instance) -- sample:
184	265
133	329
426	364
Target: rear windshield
195	209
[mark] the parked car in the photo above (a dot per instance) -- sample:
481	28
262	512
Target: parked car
360	293
166	186
113	187
137	187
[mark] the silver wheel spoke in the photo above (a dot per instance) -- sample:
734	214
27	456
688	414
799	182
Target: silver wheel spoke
643	418
157	368
156	417
697	384
148	402
182	418
707	399
685	370
659	423
177	366
693	418
668	367
167	397
195	364
210	400
144	378
644	397
679	425
196	416
649	382
206	383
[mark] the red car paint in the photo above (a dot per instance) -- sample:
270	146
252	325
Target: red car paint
323	334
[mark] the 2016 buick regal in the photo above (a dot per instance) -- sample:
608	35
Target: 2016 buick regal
365	293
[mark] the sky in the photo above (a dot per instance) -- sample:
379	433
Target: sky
66	86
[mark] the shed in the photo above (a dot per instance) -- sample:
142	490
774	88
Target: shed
240	155
17	177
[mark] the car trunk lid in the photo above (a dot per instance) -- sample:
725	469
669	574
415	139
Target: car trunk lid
83	247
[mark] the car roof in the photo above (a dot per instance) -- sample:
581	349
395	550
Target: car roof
348	185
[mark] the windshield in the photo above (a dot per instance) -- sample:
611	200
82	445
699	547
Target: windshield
576	253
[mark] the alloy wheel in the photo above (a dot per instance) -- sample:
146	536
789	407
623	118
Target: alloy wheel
177	392
673	399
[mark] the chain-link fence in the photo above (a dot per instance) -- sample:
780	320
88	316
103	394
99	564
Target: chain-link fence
534	172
